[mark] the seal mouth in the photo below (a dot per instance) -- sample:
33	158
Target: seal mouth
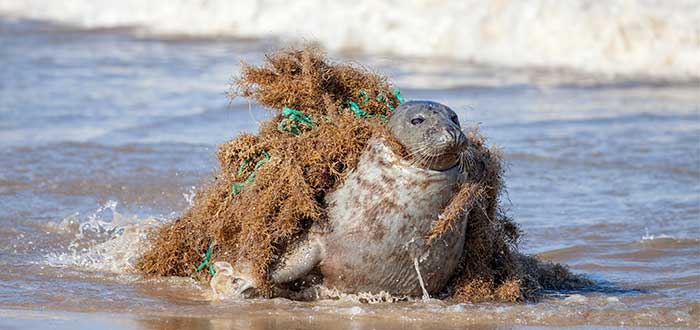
446	155
439	162
456	163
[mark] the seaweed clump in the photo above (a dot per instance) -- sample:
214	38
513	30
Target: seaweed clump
270	187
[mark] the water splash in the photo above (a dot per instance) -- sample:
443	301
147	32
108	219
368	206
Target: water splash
321	292
190	195
106	241
651	237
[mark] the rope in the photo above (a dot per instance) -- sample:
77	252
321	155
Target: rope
292	121
355	107
366	97
237	187
397	94
207	261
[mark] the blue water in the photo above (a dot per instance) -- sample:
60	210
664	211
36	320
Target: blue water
602	174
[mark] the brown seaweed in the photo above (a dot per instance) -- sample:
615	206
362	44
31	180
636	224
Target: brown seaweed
273	204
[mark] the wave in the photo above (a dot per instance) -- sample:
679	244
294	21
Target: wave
648	38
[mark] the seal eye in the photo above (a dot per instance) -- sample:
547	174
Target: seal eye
416	121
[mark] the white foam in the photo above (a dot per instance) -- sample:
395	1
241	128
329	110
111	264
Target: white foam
109	242
190	195
650	237
630	37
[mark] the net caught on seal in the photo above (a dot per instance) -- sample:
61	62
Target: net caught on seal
271	186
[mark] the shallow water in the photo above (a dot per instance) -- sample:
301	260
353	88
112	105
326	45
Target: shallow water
103	133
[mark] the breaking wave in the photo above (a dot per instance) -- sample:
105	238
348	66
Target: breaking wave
647	38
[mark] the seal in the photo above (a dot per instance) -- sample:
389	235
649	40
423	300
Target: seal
380	216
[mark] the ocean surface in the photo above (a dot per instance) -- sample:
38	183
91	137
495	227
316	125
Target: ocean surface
109	120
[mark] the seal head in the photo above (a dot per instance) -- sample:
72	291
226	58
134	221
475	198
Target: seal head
430	132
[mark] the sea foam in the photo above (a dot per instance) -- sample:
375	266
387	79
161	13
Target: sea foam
648	38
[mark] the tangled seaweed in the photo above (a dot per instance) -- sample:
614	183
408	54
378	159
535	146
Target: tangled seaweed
271	186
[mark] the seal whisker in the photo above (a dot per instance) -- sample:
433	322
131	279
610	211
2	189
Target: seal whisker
418	148
425	158
418	155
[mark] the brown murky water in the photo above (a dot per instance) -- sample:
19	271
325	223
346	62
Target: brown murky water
103	134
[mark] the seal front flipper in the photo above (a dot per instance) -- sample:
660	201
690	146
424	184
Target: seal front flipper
229	282
238	282
297	262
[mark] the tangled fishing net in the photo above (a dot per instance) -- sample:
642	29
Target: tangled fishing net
271	185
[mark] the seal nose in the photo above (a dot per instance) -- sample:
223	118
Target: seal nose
446	137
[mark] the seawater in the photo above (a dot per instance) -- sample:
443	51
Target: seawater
616	37
106	132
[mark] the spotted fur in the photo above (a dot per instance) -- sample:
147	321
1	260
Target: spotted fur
380	218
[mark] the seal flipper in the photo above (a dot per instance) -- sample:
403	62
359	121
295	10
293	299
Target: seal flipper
228	282
239	282
297	262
